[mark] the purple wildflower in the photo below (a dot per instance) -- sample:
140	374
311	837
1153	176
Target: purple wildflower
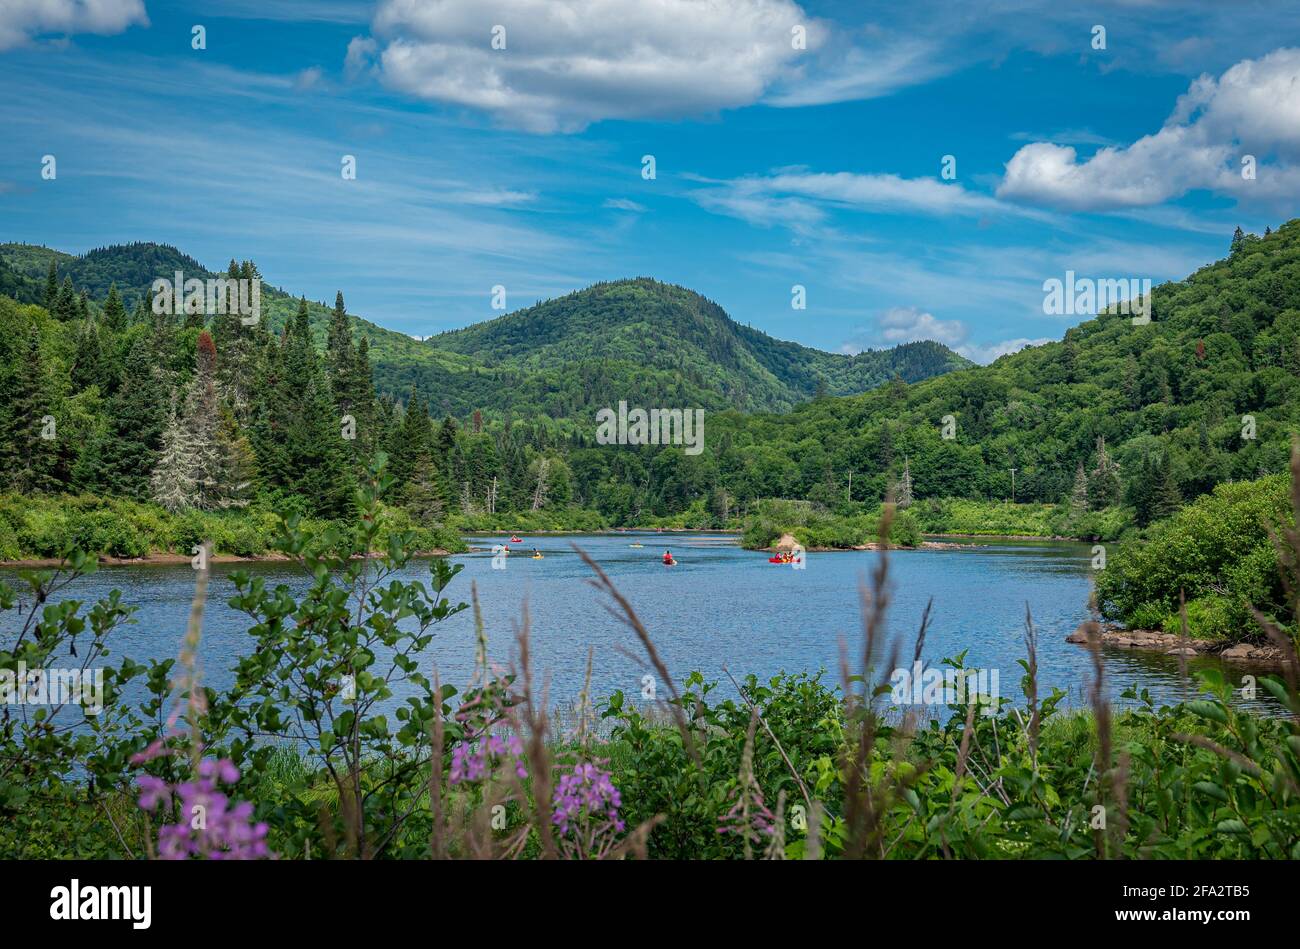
585	795
211	825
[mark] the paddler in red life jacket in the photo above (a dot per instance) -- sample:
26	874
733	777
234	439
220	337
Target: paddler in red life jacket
668	556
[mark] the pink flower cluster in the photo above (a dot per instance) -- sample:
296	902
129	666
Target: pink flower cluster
210	826
585	793
474	761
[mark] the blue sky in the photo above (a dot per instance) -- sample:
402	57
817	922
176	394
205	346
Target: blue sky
775	166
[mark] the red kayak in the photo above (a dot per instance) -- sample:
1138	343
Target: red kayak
516	540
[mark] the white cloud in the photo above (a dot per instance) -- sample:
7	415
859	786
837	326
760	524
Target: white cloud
987	354
1252	109
623	204
909	324
308	78
360	56
23	20
568	63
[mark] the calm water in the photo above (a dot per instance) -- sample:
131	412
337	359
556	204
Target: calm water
720	606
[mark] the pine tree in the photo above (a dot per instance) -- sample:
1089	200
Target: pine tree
28	461
339	349
1167	498
88	367
202	463
904	492
1238	242
1079	494
128	451
114	311
65	303
1104	487
52	285
171	484
422	496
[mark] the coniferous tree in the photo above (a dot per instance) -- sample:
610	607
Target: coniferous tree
200	460
51	285
171	484
114	311
128	450
28	460
1104	485
65	303
1167	498
1238	241
88	364
1079	494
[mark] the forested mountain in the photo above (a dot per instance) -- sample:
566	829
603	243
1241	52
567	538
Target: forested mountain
1145	415
640	340
209	414
659	336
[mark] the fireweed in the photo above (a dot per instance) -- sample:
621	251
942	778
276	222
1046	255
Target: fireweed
586	811
477	760
211	826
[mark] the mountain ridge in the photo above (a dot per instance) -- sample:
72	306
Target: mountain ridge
638	339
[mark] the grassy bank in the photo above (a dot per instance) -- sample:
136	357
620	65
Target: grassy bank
47	526
815	526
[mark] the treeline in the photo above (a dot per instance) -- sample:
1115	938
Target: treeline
1117	423
191	412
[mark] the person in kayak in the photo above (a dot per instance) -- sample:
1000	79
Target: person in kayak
668	558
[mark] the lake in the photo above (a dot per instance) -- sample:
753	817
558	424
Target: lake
721	606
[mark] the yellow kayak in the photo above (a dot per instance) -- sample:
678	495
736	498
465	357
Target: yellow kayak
538	557
636	545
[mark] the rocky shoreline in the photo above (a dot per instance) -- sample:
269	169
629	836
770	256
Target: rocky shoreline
1258	654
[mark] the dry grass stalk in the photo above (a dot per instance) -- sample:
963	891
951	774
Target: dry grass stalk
626	615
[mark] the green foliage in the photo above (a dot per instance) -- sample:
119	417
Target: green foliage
1217	550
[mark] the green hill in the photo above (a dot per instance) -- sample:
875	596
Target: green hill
647	342
1208	392
627	338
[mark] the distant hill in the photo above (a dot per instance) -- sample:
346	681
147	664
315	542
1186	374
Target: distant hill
622	335
648	342
1207	392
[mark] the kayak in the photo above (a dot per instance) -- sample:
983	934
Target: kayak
538	557
636	545
670	563
516	540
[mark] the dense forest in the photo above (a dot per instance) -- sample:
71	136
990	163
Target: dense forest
1117	424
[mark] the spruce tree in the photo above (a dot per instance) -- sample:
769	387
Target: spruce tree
1104	487
114	311
1167	498
52	285
128	451
28	461
171	484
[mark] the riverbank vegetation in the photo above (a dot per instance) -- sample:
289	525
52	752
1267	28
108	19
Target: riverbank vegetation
1220	554
311	754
